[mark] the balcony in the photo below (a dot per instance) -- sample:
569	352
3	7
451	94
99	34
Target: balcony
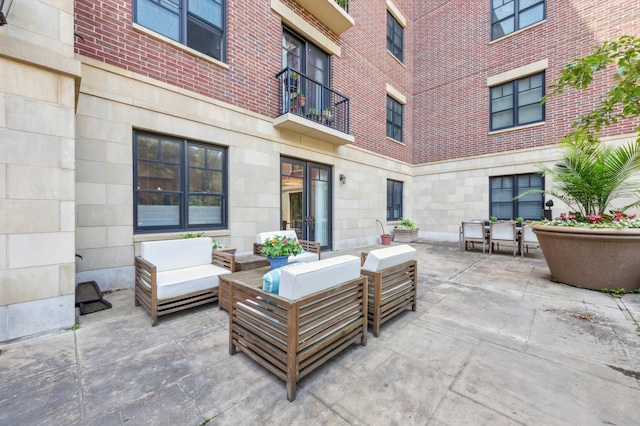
332	13
309	108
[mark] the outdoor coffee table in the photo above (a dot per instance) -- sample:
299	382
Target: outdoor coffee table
252	277
250	261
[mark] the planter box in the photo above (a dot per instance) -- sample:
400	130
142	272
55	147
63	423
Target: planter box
592	258
405	235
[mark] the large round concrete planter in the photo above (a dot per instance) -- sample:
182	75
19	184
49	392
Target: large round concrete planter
405	235
592	258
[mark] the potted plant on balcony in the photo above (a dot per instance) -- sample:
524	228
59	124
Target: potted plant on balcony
313	114
301	99
293	81
405	231
327	116
596	245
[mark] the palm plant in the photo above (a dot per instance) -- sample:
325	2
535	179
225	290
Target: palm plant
591	175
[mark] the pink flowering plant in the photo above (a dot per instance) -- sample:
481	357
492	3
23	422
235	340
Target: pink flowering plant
613	220
280	245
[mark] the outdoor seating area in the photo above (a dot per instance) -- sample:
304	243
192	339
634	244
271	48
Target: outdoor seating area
516	236
289	320
464	357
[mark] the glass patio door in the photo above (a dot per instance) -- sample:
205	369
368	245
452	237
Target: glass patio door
306	200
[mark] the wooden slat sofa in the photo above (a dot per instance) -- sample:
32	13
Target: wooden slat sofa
174	275
311	248
320	309
393	283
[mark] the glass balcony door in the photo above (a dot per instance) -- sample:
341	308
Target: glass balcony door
312	62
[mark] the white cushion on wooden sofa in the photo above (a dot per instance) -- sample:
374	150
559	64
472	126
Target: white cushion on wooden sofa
187	280
182	266
316	276
177	254
384	258
289	233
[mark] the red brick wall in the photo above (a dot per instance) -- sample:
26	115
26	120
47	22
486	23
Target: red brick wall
253	52
254	58
448	57
366	68
454	57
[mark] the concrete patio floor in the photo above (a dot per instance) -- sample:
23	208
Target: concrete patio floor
493	341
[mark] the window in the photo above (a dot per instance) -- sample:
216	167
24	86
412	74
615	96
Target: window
394	119
508	16
503	190
199	24
394	200
179	185
517	102
395	34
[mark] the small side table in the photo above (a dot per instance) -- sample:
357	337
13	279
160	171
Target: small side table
252	277
250	261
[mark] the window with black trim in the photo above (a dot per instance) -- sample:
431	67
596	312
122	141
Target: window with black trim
504	189
199	24
517	102
395	36
394	119
394	199
508	16
179	185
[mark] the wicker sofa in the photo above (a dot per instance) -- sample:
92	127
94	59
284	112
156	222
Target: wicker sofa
311	248
393	283
320	309
174	275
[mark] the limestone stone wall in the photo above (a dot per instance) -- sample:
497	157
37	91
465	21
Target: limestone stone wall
114	102
37	169
449	192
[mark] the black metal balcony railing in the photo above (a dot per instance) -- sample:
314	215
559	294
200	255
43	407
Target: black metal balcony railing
307	98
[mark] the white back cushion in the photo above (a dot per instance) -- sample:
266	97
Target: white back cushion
473	229
289	233
312	277
177	254
384	258
503	231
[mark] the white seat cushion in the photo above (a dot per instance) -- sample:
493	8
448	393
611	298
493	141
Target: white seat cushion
187	280
385	258
312	277
177	254
289	233
305	256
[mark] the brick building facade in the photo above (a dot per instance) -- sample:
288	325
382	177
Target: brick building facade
91	82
